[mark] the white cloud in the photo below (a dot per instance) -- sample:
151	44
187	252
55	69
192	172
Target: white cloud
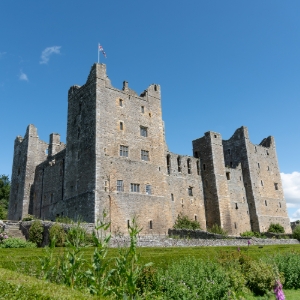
295	215
23	76
45	56
291	188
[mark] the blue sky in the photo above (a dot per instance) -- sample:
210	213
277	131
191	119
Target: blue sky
220	64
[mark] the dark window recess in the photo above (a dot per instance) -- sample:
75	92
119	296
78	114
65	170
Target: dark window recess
19	171
145	155
195	217
267	152
189	166
266	204
235	225
179	163
142	109
240	178
80	107
196	154
198	167
120	186
121	102
279	204
204	167
169	164
123	150
148	189
172	197
143	131
258	165
261	182
236	206
190	191
128	223
121	126
150	224
231	164
215	136
228	151
276	186
228	175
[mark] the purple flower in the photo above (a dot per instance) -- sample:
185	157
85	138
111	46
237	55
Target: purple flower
249	243
238	249
278	291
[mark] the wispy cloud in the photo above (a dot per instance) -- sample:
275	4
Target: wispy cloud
45	56
23	76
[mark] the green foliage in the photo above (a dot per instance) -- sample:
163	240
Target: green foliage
217	229
77	235
289	265
36	232
28	218
16	243
183	222
57	235
276	228
192	278
252	234
4	196
296	233
65	220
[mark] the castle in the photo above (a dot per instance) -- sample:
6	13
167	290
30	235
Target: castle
116	159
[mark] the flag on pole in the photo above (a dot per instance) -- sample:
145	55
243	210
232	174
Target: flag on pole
100	48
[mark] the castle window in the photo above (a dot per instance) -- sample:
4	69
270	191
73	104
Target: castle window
179	163
128	223
255	149
135	187
145	155
121	126
148	189
268	168
123	150
204	167
266	204
276	186
235	225
196	154
258	165
196	218
121	102
144	131
190	191
105	186
267	152
150	224
172	197
155	87
228	175
240	178
215	136
279	204
46	151
120	186
198	167
236	206
228	151
231	164
261	182
169	164
142	109
189	166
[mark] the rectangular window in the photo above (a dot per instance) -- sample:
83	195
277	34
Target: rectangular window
145	155
189	166
172	197
190	191
135	187
142	109
120	186
228	175
144	131
276	186
124	151
148	189
150	224
121	102
121	125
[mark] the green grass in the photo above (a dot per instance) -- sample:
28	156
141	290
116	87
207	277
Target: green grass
289	295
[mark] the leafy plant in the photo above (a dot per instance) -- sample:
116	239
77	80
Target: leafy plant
16	243
183	222
276	228
296	232
57	234
65	220
217	230
36	232
252	234
28	218
4	196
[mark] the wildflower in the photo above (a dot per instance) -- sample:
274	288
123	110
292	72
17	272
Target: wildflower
249	243
278	291
238	249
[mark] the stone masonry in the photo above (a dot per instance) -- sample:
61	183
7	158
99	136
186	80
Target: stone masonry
116	159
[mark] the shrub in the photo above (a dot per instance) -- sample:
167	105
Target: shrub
191	278
76	235
183	222
57	234
36	232
65	220
276	228
252	234
296	232
217	229
16	243
28	218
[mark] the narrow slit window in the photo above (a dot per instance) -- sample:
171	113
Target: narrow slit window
228	151
169	164
190	191
228	175
189	166
142	109
231	164
258	165
261	182
121	102
198	167
121	126
172	197
279	205
128	223
267	152
179	163
204	167
276	186
235	225
266	204
150	224
196	218
236	206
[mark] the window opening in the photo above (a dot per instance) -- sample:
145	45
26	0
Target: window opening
179	163
19	171
266	204
135	187
142	109
235	225
267	152
123	150
228	175
143	131
172	197
190	191
255	149
121	102
215	136
228	151
195	217
261	182
120	186
145	155
169	164
236	206
121	125
148	189
196	154
279	204
231	164
189	166
240	178
198	167
150	224
204	167
105	186
80	106
128	223
258	165
276	186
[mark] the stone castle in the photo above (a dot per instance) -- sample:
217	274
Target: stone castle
116	159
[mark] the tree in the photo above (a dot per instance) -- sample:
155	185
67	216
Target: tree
4	195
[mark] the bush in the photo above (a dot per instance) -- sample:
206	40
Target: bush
276	228
194	279
16	243
36	232
252	234
65	220
183	222
217	229
296	232
57	234
77	236
28	218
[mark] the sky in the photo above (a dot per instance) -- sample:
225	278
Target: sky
221	64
